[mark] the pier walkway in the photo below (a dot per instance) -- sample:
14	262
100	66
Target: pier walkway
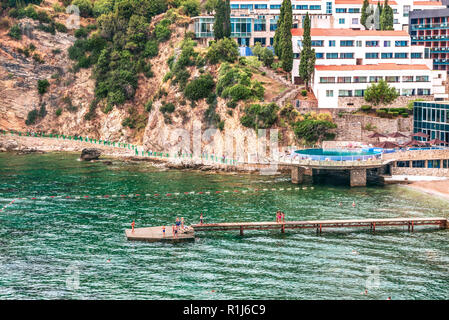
155	233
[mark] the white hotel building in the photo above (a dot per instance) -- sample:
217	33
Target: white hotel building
256	20
348	61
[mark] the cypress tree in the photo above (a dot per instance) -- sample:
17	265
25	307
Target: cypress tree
227	20
286	37
364	16
377	14
386	17
277	33
307	63
220	12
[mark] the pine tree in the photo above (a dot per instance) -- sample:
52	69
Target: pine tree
277	33
307	63
220	12
286	37
365	9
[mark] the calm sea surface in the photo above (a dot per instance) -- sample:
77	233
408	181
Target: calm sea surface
76	248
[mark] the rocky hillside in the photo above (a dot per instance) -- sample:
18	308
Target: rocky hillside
68	104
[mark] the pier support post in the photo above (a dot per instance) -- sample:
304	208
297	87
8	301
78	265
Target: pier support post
357	177
297	175
241	231
283	228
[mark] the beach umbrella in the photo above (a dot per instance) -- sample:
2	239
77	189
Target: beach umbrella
387	145
413	143
420	134
436	142
377	135
397	135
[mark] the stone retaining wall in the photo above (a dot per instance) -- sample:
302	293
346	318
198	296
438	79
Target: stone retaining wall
418	155
420	172
400	102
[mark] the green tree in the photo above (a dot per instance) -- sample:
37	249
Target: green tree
267	57
286	37
313	130
191	7
42	86
223	50
365	11
307	62
380	93
386	17
210	5
220	16
227	20
278	32
85	6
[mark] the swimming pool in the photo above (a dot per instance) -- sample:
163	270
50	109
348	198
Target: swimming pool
339	154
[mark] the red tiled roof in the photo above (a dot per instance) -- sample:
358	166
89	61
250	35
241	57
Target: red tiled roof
427	3
361	2
317	32
380	66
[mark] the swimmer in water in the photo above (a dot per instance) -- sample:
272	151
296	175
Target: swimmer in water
353	204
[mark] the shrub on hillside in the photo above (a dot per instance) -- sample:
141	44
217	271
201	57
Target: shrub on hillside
15	32
85	7
199	88
223	50
42	86
162	30
258	116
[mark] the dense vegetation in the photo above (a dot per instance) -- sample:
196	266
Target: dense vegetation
307	62
283	36
380	93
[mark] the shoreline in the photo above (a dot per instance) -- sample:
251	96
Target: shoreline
22	145
439	189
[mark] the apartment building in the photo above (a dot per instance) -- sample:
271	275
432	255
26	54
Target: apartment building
256	20
348	61
430	28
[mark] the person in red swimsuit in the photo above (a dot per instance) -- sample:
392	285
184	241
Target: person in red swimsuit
132	226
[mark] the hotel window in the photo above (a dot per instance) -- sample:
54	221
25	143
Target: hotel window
329	93
419	163
401	43
273	24
406	10
345	93
386	55
329	7
315	7
408	92
359	79
371	43
260	25
271	41
331	43
433	164
424	92
359	93
395	21
375	78
422	78
299	43
275	6
387	43
344	79
341	21
346	43
347	55
400	55
332	55
407	78
317	43
262	41
392	79
358	43
372	55
416	55
260	6
302	7
319	55
340	10
246	6
403	164
354	10
234	6
355	20
327	79
445	164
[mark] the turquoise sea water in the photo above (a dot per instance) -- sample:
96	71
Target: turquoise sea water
59	248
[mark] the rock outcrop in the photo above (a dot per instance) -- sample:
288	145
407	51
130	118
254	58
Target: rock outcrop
89	154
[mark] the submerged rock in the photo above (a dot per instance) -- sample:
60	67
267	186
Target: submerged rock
89	154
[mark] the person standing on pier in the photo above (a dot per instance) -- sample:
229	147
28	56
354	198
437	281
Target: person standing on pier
173	229
201	218
163	231
177	222
182	223
283	216
132	226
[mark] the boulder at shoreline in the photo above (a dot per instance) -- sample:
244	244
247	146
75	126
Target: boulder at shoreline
89	154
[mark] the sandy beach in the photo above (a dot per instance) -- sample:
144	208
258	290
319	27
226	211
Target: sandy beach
437	188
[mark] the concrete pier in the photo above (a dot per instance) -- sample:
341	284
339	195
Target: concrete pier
152	234
297	175
357	177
